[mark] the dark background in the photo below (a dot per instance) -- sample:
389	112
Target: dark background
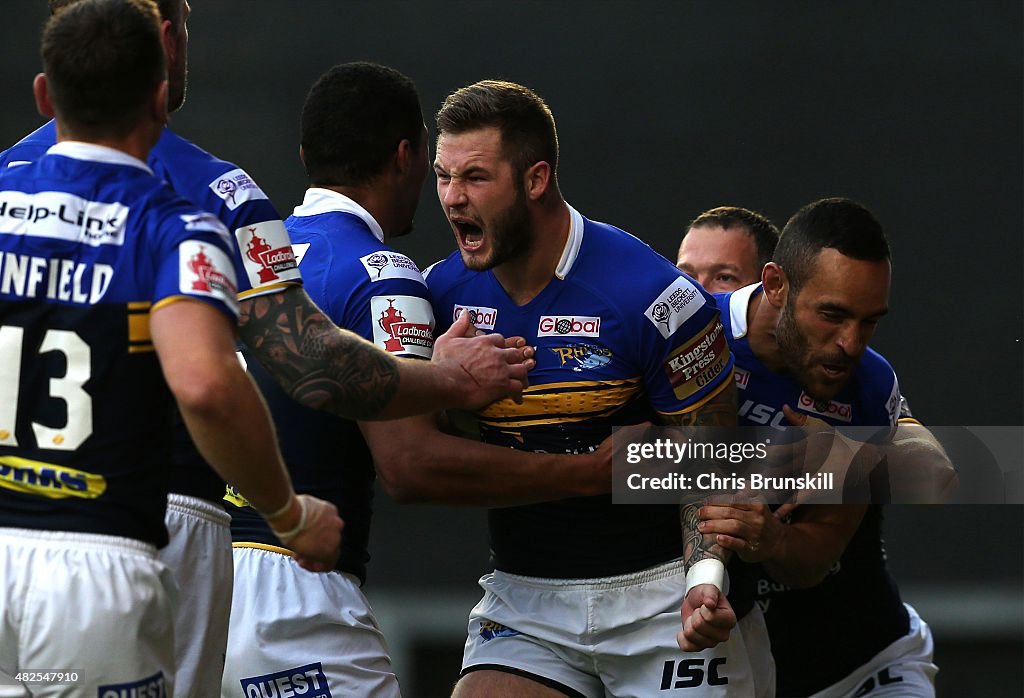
665	110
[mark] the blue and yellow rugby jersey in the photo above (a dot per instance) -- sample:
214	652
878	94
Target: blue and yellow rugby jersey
367	287
857	607
620	334
90	243
263	258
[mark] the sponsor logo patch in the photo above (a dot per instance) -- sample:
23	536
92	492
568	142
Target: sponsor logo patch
742	377
569	326
490	630
391	265
826	408
674	306
150	687
49	480
581	357
483	318
267	253
61	216
235	188
204	270
403	324
698	362
306	681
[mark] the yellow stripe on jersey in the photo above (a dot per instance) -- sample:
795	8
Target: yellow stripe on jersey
139	337
562	402
269	288
48	479
707	398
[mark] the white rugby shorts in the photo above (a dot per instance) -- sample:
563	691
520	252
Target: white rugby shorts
614	636
903	669
199	557
301	633
96	605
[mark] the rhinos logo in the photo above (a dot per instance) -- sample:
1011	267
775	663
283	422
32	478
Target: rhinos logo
490	630
583	356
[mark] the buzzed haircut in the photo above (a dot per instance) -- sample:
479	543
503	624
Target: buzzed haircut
169	9
527	127
836	223
103	59
757	225
353	119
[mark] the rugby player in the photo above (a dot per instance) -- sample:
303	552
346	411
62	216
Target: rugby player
800	341
364	147
585	597
726	247
302	349
118	298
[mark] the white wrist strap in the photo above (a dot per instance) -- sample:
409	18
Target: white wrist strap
277	512
708	571
287	537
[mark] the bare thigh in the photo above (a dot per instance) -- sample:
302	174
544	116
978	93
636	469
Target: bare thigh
501	684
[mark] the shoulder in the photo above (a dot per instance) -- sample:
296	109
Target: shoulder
31	147
447	274
878	386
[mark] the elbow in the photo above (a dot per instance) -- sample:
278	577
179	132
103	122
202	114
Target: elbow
204	397
397	477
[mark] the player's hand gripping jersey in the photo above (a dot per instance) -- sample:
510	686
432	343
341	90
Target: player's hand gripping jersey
364	286
90	243
621	335
857	606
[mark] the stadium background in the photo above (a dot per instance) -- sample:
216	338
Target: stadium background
664	110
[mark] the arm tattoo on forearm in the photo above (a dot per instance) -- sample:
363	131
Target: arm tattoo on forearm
317	364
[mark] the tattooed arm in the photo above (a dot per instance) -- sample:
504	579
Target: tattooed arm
328	368
706	613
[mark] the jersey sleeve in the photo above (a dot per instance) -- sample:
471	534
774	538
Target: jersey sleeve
195	262
684	352
263	258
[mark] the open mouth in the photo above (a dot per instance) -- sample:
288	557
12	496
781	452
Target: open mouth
471	236
835	371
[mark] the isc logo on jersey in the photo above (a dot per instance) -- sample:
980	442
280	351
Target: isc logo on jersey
235	188
836	410
391	265
204	270
403	324
674	306
569	326
481	317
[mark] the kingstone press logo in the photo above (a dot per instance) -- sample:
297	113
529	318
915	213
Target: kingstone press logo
569	326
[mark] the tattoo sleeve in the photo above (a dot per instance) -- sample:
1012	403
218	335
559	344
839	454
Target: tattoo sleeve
315	362
719	411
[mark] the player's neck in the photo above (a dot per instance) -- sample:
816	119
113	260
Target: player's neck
372	198
136	143
762	318
524	277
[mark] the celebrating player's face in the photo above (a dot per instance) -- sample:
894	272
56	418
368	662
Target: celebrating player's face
824	329
479	194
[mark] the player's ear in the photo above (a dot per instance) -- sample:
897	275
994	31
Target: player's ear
536	180
302	155
404	156
158	103
169	38
42	95
776	284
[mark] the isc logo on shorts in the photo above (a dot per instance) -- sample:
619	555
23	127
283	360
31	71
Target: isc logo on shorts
307	681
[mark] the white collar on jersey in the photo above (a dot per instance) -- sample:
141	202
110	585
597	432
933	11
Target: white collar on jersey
96	153
319	201
738	304
572	244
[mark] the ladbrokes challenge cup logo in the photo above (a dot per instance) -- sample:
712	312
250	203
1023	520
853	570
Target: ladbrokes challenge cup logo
207	278
399	333
388	319
271	260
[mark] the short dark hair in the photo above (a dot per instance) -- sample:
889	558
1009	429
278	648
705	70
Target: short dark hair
836	223
353	119
169	9
102	60
528	133
756	225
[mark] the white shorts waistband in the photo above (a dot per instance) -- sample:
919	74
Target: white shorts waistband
199	508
